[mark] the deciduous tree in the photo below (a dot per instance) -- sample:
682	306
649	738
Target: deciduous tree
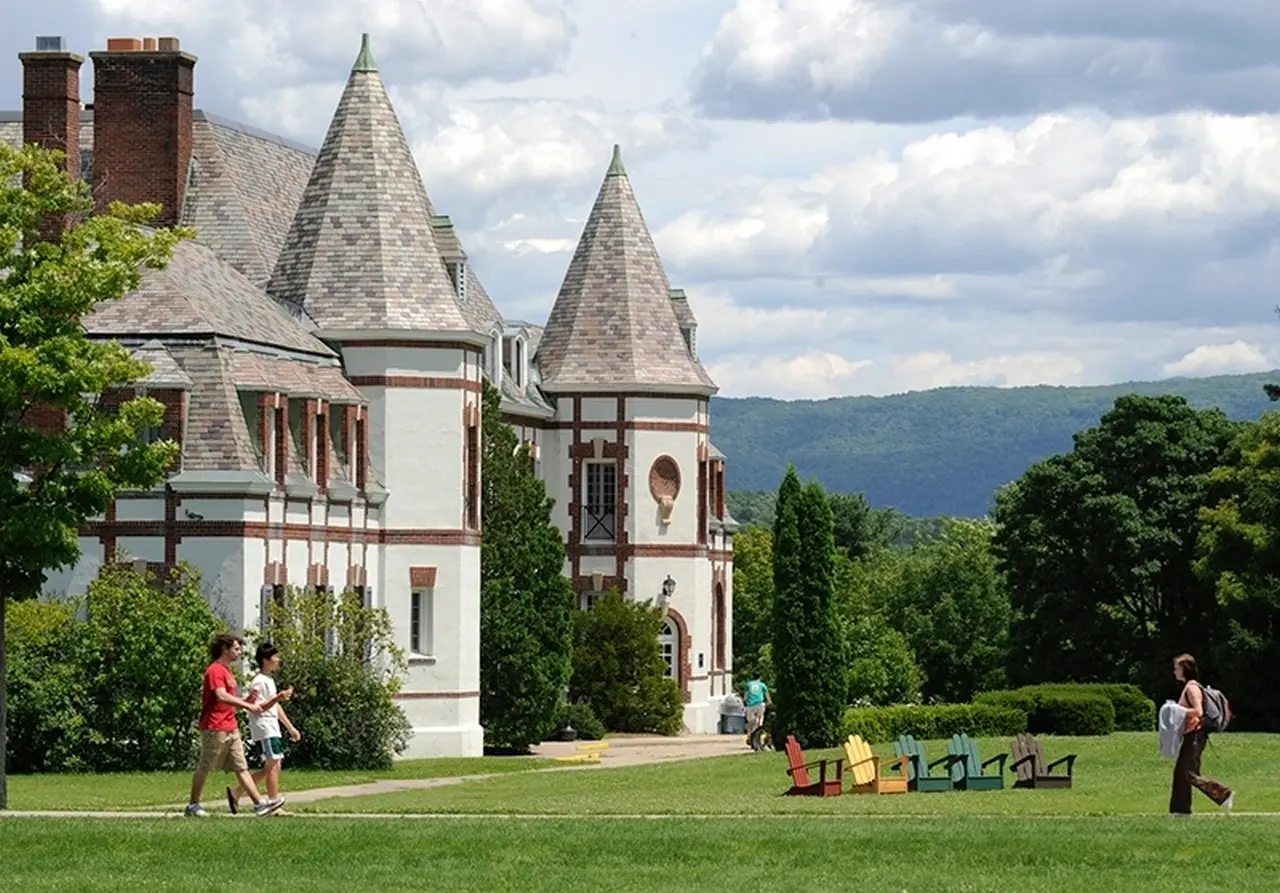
53	481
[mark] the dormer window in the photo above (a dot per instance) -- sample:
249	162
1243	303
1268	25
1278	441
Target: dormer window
493	358
514	359
690	341
458	276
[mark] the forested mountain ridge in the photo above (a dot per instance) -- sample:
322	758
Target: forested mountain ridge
939	452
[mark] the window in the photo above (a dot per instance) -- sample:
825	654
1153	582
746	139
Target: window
600	512
471	480
667	646
253	418
458	276
337	434
362	456
720	627
589	599
513	359
300	446
422	622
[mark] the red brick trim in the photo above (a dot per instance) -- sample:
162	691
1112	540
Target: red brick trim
174	531
417	382
683	644
630	425
422	577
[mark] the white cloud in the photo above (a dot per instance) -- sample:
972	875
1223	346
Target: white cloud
303	40
924	60
1224	359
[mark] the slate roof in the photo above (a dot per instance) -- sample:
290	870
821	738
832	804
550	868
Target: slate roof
165	371
684	313
217	434
361	253
244	189
198	294
613	326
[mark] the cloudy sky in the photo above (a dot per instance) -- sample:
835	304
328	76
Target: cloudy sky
860	196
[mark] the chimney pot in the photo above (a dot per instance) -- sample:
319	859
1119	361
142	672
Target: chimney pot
168	44
123	44
50	45
149	44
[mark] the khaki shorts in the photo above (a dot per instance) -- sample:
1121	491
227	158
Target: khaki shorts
221	752
755	716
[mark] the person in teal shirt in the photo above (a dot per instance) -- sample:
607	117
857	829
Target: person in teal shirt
757	699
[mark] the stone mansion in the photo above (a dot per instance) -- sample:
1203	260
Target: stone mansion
320	349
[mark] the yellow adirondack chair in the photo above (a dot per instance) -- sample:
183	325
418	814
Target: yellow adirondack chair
864	767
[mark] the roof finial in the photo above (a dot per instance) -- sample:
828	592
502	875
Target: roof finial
364	62
615	166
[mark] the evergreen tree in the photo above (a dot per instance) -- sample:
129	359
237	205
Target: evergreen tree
526	604
808	650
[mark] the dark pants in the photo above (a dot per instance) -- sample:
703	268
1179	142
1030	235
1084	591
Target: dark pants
1186	775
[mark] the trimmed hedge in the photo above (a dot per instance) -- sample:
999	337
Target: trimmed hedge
877	724
1057	711
1134	711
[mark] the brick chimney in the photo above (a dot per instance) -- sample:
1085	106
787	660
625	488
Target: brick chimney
51	111
51	99
142	104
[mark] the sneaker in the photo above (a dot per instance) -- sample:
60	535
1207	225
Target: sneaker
233	802
266	807
1229	802
196	810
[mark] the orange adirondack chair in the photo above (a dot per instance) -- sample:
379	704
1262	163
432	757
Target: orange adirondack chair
798	769
865	767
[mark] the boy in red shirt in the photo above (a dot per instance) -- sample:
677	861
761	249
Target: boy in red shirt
220	744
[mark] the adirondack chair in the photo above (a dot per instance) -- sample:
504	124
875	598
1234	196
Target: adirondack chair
798	769
919	770
1028	763
865	767
969	772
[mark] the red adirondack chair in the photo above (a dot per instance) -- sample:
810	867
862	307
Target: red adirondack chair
798	769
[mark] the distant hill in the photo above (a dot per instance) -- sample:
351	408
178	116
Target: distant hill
936	452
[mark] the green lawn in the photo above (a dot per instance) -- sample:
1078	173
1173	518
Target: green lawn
140	790
1118	775
891	855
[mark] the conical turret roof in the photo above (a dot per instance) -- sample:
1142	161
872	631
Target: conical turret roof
613	326
360	254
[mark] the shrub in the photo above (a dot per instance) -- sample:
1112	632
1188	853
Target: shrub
1134	711
47	693
1057	710
618	670
145	647
342	663
887	723
582	719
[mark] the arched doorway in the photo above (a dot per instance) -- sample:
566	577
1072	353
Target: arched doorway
669	647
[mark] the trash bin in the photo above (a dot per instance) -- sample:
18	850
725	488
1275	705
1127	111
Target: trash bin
733	716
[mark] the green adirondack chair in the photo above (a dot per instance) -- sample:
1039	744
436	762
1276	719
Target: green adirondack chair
920	776
968	773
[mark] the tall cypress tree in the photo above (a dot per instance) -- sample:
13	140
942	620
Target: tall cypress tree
788	609
823	640
526	604
808	650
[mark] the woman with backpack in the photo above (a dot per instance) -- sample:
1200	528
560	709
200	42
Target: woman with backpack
1186	772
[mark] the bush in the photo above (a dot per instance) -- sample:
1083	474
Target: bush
146	646
47	694
1134	711
618	670
582	719
340	659
117	689
1057	711
887	723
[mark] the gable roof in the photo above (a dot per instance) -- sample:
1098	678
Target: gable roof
613	326
360	254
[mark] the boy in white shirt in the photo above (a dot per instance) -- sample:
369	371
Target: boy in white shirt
264	728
